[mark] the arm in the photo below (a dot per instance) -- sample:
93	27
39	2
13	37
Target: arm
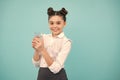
36	56
36	59
47	57
38	45
56	65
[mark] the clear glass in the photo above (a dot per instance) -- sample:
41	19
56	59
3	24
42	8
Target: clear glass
38	34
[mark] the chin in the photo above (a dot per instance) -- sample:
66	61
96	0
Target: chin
56	33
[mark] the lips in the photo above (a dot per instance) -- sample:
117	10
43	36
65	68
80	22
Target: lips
55	30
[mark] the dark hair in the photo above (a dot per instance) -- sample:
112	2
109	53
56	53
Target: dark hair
63	12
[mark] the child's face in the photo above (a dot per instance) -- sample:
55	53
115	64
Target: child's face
56	24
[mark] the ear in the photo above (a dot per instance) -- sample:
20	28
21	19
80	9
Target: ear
64	24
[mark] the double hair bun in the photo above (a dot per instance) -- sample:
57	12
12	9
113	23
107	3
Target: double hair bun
50	11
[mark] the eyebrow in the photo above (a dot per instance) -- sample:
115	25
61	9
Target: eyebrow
55	21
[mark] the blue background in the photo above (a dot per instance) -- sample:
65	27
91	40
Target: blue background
92	25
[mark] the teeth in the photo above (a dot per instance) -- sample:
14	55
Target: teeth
54	29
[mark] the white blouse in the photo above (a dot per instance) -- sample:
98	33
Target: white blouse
58	48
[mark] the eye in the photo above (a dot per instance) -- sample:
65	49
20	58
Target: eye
51	23
58	23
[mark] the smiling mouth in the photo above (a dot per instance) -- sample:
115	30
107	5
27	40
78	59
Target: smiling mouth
55	30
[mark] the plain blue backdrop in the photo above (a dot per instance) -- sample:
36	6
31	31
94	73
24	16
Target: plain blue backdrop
92	25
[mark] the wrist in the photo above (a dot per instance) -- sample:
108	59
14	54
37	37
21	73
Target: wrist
42	50
36	57
37	51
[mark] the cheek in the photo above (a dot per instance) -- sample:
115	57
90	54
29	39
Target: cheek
50	26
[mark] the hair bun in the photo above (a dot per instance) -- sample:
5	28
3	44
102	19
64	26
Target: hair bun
50	11
63	11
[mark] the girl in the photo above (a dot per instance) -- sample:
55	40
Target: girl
51	50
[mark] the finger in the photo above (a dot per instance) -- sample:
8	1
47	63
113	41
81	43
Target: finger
34	40
38	44
37	39
33	45
36	47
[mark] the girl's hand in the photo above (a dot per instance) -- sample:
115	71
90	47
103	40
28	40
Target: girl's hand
38	44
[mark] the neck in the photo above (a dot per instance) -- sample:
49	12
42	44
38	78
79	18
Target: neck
54	35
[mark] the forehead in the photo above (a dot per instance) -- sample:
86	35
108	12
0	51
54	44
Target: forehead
56	18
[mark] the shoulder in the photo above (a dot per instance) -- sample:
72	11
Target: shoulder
67	40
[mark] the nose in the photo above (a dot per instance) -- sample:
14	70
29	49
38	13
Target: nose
54	25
